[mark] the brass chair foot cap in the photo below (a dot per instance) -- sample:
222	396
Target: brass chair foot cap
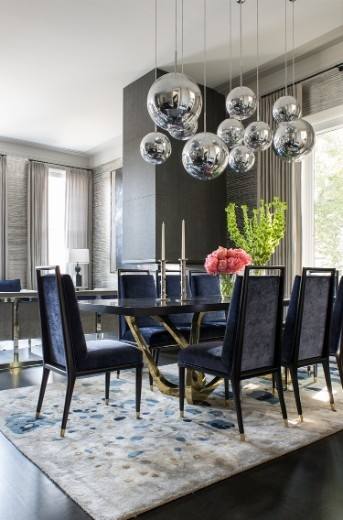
62	432
151	388
285	422
107	401
333	407
138	415
314	379
182	414
242	437
227	402
118	376
37	415
301	418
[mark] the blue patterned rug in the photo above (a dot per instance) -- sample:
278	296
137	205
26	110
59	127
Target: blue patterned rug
116	467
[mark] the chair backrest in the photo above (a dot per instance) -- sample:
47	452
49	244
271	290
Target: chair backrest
173	283
310	337
62	334
136	283
10	285
336	328
202	285
253	334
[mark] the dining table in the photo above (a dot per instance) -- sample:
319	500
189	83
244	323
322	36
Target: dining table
198	387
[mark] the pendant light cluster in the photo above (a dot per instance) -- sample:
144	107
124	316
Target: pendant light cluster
294	137
175	102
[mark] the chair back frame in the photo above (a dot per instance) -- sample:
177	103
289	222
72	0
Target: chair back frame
120	272
237	373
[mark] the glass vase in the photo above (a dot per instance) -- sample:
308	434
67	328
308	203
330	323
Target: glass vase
226	284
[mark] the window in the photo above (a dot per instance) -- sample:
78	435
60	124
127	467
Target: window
322	195
56	218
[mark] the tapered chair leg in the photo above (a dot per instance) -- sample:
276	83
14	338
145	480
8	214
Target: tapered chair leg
227	390
107	386
138	391
182	375
236	388
69	393
326	368
294	375
118	374
278	381
45	377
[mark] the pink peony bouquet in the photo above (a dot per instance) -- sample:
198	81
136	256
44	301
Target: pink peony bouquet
227	261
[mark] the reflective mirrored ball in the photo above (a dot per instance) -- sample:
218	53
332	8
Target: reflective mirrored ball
286	108
241	103
174	99
182	133
155	148
258	136
205	156
231	131
293	140
241	159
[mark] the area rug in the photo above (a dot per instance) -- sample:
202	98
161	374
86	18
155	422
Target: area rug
116	467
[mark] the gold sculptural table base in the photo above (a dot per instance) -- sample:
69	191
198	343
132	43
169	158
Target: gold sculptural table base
197	387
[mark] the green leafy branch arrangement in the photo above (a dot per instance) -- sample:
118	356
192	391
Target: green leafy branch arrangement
262	230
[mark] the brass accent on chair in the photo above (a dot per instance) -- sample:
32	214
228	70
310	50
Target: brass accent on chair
62	432
107	401
182	414
285	422
138	415
242	437
301	418
332	406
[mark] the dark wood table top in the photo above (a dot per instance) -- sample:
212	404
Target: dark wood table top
153	307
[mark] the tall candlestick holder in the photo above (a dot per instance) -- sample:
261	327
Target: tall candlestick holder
183	279
163	280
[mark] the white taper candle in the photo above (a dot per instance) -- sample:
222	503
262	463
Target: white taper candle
163	242
183	240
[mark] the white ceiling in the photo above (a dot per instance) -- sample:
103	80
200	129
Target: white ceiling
64	63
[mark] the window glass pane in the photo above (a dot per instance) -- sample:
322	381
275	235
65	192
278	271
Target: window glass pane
57	188
328	199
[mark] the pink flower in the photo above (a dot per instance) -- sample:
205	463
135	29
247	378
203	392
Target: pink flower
228	261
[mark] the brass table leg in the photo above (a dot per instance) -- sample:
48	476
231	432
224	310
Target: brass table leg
197	388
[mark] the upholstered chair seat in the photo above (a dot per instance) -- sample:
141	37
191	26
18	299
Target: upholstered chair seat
252	342
65	349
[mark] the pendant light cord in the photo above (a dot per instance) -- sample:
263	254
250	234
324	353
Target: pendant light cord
205	66
155	126
293	48
182	36
175	66
230	44
257	62
240	44
286	61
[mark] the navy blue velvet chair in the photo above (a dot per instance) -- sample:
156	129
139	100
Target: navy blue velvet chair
252	342
10	285
336	330
203	285
140	284
65	349
307	328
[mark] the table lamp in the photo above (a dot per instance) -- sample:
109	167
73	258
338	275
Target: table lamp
78	256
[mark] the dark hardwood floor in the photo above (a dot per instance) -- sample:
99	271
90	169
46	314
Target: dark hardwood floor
306	484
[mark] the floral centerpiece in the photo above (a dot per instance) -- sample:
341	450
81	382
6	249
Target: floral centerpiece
226	263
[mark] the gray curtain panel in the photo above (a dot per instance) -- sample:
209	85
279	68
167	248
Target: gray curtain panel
37	217
277	178
3	217
78	221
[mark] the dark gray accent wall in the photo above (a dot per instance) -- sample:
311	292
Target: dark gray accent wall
167	193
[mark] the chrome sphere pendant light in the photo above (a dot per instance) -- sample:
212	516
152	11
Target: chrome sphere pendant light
258	135
294	137
241	158
155	147
174	100
205	156
241	101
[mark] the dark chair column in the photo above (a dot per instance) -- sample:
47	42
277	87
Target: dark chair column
182	372
326	368
107	386
69	393
138	391
45	377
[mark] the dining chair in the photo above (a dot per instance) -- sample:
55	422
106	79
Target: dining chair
336	330
65	349
134	283
307	328
252	341
10	285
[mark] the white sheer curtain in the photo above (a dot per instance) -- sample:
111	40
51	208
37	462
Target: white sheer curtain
37	220
3	217
78	221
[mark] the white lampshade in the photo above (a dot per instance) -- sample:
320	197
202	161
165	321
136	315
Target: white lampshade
79	256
